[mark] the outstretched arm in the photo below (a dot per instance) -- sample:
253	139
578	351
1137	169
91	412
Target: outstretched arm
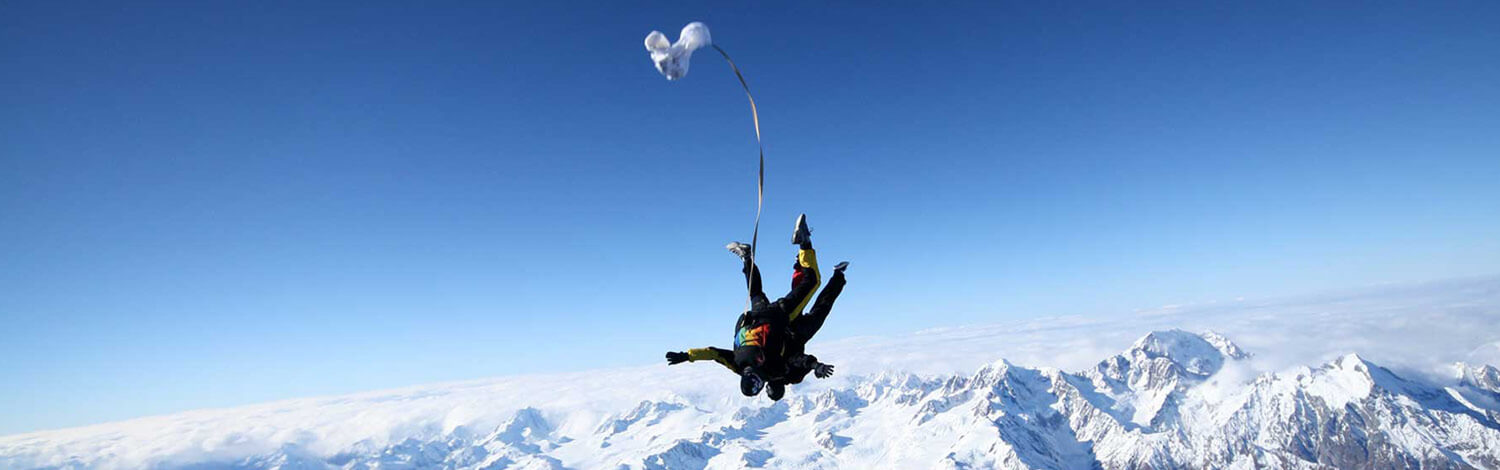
724	357
810	362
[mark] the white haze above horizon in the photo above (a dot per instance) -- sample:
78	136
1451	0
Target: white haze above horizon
1419	329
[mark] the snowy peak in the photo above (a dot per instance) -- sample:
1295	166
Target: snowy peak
526	426
1197	354
1149	407
1145	384
1353	366
1165	360
1351	379
1339	382
647	413
993	373
1482	377
1224	345
1478	389
1352	363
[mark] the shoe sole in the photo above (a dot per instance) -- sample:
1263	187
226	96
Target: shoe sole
797	229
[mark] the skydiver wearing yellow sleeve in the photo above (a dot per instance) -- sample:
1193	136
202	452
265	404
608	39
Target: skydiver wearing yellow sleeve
762	332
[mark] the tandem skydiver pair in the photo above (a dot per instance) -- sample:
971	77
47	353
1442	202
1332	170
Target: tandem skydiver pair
771	337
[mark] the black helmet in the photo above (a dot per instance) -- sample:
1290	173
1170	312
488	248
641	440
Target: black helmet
775	390
750	382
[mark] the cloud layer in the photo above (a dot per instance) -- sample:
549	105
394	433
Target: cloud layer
1419	328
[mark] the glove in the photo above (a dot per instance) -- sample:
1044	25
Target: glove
823	371
675	357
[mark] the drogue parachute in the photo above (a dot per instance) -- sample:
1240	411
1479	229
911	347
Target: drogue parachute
672	58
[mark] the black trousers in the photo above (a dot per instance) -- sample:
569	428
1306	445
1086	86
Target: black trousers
806	325
760	303
752	280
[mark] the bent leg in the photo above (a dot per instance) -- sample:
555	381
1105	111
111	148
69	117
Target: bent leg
805	326
805	281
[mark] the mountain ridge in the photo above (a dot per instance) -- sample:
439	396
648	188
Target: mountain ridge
1155	405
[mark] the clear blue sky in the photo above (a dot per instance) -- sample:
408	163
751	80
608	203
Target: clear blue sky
206	204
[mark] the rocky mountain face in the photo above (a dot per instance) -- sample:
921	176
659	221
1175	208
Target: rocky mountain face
1172	400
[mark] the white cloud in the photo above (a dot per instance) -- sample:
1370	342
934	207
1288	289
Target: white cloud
1419	327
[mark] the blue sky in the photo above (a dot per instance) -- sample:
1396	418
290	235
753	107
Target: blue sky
209	204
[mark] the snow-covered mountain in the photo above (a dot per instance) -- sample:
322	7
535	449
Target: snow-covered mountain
1155	405
1170	399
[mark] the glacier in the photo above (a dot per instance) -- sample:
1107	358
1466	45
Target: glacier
1394	376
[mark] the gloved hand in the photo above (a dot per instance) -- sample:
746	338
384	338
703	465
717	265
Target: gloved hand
823	371
676	357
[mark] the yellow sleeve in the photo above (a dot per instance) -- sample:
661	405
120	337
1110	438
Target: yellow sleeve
700	354
711	354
